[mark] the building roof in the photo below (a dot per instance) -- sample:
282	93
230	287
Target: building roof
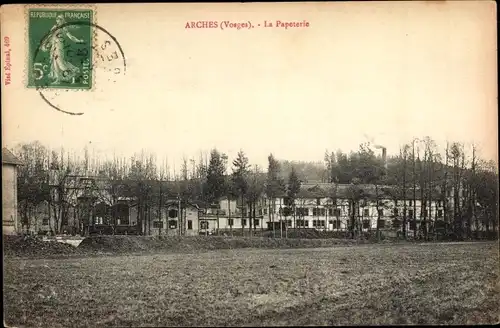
9	158
322	190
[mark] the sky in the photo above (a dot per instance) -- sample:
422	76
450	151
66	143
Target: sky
389	71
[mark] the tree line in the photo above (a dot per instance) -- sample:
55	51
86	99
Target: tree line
416	172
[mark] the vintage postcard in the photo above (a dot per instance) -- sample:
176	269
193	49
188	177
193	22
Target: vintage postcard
250	164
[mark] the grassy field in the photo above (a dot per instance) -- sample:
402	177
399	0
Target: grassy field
360	285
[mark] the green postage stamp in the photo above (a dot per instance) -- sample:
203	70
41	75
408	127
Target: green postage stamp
60	48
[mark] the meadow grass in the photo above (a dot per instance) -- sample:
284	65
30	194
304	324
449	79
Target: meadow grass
360	285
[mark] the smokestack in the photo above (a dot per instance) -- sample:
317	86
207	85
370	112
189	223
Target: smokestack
384	157
384	154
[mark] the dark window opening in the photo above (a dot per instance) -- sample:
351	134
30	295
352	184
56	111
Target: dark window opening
413	225
318	223
302	223
335	223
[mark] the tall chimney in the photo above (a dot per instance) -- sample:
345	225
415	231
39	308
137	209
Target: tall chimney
384	154
384	157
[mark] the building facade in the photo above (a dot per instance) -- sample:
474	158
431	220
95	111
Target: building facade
332	207
10	163
122	207
173	218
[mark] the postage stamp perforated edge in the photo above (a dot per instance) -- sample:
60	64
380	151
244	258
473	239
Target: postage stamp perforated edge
27	9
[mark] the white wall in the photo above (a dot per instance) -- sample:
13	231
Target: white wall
386	205
10	224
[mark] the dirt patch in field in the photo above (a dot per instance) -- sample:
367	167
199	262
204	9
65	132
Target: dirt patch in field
126	244
35	247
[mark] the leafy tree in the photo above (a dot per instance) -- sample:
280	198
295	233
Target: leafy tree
293	190
240	177
216	183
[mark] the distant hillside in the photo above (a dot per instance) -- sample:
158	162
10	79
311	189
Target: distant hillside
307	171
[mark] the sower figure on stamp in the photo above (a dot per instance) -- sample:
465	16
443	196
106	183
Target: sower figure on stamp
60	69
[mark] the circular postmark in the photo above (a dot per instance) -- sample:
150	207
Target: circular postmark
65	62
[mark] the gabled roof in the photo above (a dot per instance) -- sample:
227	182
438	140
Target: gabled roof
9	158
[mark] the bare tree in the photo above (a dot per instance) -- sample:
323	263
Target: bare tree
143	170
32	181
404	157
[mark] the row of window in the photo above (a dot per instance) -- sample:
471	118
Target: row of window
316	212
300	223
172	224
256	222
367	224
287	202
304	211
317	223
322	223
366	212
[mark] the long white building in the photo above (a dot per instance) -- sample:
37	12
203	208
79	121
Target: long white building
330	207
